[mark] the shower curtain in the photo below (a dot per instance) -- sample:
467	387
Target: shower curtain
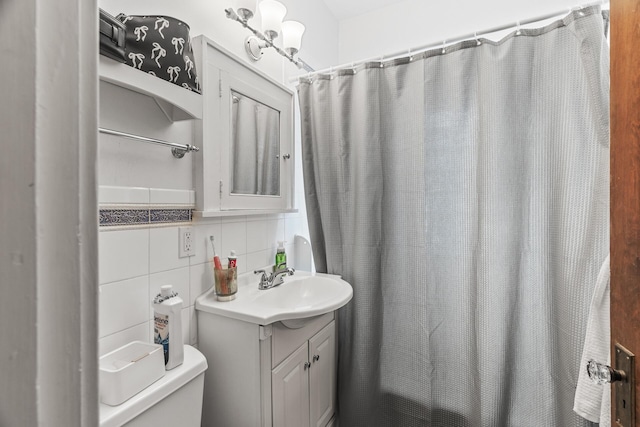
464	194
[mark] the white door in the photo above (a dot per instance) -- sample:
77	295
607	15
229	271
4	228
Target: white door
322	376
290	390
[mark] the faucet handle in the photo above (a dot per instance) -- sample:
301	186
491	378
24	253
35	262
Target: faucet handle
264	279
264	274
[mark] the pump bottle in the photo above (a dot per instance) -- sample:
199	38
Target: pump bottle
281	257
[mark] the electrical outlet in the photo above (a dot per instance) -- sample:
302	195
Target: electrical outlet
186	247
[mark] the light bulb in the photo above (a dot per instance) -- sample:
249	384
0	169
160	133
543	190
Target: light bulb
292	36
272	12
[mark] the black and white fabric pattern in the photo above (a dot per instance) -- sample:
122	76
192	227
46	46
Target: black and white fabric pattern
161	46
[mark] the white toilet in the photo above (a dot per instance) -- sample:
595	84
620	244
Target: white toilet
173	400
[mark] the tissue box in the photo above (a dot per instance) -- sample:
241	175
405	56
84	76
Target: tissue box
129	370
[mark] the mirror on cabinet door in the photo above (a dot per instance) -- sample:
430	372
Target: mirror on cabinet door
255	147
246	135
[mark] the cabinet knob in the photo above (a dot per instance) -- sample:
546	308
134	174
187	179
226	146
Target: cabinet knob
316	357
307	365
286	156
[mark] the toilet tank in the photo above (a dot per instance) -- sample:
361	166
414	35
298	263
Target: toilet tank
173	400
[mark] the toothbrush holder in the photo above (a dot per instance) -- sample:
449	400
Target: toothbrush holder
226	285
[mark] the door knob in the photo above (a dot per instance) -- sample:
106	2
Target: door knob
624	379
604	374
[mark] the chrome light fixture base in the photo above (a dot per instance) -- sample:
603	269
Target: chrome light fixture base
271	35
253	45
245	14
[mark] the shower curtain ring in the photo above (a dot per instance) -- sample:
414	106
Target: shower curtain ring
443	48
518	32
475	36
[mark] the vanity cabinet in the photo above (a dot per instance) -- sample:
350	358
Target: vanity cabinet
280	375
246	162
303	385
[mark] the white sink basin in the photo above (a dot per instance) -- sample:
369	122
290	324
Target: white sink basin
301	295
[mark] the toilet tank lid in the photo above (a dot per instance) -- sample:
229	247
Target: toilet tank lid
194	364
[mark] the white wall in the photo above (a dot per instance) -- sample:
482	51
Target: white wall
134	263
413	23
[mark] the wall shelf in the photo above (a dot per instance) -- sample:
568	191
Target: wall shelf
177	103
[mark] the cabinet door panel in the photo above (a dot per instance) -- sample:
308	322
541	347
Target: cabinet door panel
290	391
285	340
322	382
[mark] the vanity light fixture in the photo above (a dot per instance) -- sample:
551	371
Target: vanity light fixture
272	13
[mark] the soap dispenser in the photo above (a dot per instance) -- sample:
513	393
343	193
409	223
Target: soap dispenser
281	257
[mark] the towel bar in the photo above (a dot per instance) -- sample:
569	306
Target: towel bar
178	150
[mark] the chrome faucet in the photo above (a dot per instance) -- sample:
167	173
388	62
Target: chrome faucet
268	281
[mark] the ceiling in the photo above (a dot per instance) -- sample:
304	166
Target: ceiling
343	9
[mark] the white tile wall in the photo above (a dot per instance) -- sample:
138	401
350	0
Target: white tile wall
122	195
160	196
233	237
201	280
123	304
193	325
260	259
203	248
111	342
256	235
163	250
116	195
123	254
134	263
275	232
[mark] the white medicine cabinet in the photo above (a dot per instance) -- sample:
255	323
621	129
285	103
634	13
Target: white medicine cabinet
246	162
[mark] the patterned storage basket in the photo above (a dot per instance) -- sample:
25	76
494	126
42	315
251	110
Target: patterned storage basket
160	45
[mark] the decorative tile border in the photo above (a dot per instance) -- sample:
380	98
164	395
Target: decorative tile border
169	215
110	217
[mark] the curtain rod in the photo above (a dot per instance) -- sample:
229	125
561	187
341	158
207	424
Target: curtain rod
448	42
